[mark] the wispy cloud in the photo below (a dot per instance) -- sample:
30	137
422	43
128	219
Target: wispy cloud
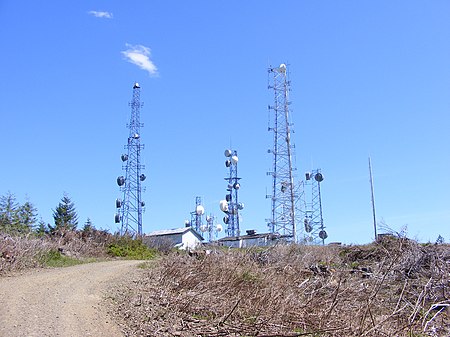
140	56
99	14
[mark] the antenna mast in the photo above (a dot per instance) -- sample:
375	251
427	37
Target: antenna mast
130	208
211	229
283	198
230	206
197	215
313	218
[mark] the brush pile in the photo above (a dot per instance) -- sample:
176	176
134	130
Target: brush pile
20	252
395	287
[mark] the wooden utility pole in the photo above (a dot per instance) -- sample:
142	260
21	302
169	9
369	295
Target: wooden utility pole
373	201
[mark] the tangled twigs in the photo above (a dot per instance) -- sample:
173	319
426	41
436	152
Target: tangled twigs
229	314
293	291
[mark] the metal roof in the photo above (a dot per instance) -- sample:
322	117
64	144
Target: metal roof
174	231
270	236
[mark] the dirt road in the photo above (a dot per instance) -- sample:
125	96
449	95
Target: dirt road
60	302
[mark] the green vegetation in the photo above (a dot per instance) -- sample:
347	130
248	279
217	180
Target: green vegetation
22	219
26	242
54	258
133	249
249	276
65	215
16	218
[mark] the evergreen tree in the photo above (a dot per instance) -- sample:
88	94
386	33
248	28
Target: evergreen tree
42	228
8	212
16	218
88	226
440	240
65	215
88	229
27	215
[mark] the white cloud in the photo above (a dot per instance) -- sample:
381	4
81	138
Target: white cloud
103	15
140	56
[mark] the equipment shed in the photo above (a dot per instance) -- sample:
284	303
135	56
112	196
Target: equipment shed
182	238
250	240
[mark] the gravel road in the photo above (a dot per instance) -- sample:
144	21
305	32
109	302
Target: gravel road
60	302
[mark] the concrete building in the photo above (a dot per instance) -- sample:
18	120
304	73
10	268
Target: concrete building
182	238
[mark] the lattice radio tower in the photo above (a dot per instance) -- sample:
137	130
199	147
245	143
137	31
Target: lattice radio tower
312	208
131	207
283	197
212	229
231	205
197	215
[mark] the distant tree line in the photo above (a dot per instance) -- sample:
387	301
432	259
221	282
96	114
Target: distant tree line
16	218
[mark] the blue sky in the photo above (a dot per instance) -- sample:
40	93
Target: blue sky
367	78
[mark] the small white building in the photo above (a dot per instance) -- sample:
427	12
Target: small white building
182	238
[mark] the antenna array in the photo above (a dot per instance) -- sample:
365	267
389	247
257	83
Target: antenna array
283	197
312	208
130	208
197	215
231	206
197	221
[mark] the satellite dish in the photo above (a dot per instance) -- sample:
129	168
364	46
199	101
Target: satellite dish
282	68
323	235
228	153
143	203
136	85
187	223
142	177
120	180
228	197
223	205
136	136
234	159
204	228
227	163
226	220
124	157
240	206
236	186
318	177
219	227
208	218
200	210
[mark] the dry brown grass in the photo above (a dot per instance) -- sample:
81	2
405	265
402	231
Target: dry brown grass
23	252
393	288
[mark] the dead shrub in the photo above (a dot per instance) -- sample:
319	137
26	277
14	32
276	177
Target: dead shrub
19	252
395	289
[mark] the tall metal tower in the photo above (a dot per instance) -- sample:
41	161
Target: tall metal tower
130	208
231	205
312	208
212	229
197	215
283	197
